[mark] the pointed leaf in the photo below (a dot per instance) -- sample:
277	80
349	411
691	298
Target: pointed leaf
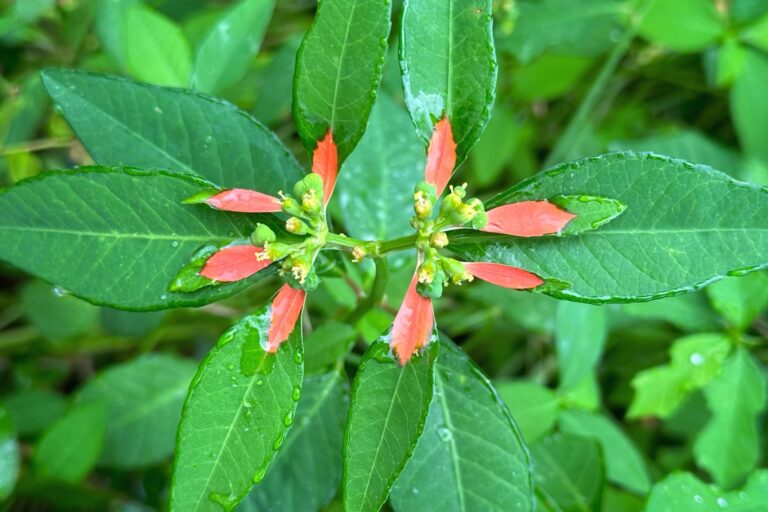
338	70
238	410
504	275
156	49
389	407
684	226
413	324
159	128
470	456
441	156
439	78
325	162
120	236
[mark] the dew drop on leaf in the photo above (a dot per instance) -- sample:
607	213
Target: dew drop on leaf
288	420
696	359
296	393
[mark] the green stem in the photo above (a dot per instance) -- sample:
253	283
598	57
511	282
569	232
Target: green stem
376	294
575	132
374	248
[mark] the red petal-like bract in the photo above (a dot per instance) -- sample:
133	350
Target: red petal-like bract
441	156
504	275
233	263
413	324
244	200
325	162
527	218
286	308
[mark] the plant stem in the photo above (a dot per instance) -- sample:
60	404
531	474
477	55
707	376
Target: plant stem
575	131
373	248
376	294
35	145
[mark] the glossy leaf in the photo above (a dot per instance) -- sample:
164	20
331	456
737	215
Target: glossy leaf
238	410
624	463
229	48
729	445
684	226
683	491
470	456
156	49
580	334
10	458
534	407
122	238
740	299
696	359
144	399
682	25
160	128
70	448
307	470
375	180
389	408
338	70
439	78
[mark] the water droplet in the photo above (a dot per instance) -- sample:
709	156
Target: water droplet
383	42
260	382
278	442
298	357
163	297
259	475
722	502
698	499
247	404
696	359
230	367
296	393
414	490
158	110
288	420
175	243
445	434
59	291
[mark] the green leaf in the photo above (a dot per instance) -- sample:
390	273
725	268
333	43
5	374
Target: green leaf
111	26
159	128
389	408
274	86
534	407
34	410
504	137
156	49
749	105
375	185
729	445
238	410
338	70
228	51
56	314
591	212
470	456
440	79
133	324
580	333
569	473
10	458
757	34
740	299
682	25
70	448
624	463
747	10
532	312
683	492
119	235
144	399
696	359
30	10
565	27
684	226
307	471
549	77
327	344
686	312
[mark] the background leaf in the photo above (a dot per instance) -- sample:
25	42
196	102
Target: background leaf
55	313
10	459
682	25
580	333
749	107
534	407
683	491
740	299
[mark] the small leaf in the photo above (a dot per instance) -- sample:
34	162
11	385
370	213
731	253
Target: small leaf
338	70
590	212
10	458
156	49
729	445
534	407
70	448
438	78
683	491
468	431
580	334
228	50
238	410
740	299
682	25
389	407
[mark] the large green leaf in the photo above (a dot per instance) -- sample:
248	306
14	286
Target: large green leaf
683	492
684	227
448	63
580	333
682	25
229	48
307	470
729	445
375	187
470	456
389	407
122	122
144	399
10	458
338	70
749	105
115	236
238	410
534	407
624	463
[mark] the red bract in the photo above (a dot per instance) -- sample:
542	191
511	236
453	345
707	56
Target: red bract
286	309
504	275
234	263
527	218
244	201
325	162
441	156
413	324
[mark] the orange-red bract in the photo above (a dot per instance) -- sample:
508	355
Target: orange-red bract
233	263
504	275
527	218
325	162
441	156
286	308
413	324
244	200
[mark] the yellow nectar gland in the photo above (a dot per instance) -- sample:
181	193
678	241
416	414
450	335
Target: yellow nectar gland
358	253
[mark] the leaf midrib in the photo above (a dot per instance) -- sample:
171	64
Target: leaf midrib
341	64
207	237
452	442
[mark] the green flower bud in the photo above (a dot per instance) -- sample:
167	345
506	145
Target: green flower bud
427	189
438	240
276	251
290	206
460	191
310	202
422	205
433	290
311	181
262	235
296	226
426	272
455	270
479	221
450	206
